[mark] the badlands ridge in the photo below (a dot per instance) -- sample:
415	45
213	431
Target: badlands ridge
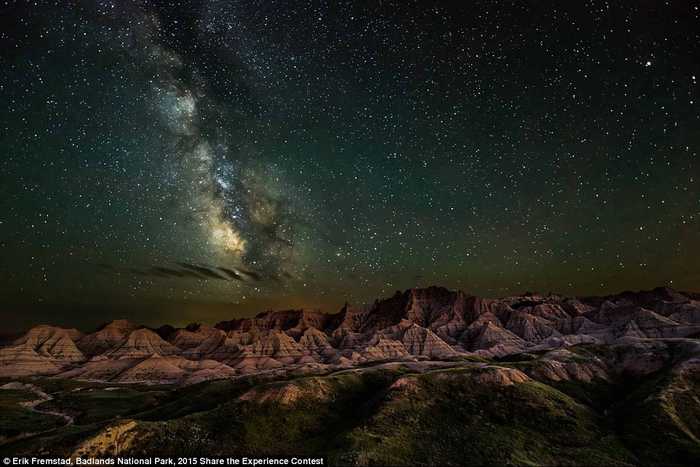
418	326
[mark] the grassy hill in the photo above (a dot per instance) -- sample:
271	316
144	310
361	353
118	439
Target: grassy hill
475	414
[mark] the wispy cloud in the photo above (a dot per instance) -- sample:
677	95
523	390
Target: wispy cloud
185	270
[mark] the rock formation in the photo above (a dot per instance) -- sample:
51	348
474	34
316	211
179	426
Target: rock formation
432	324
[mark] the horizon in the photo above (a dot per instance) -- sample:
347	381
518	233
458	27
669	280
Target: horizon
9	332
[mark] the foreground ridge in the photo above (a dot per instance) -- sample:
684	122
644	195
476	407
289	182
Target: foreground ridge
418	326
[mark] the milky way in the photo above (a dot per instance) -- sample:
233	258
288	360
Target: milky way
241	216
269	153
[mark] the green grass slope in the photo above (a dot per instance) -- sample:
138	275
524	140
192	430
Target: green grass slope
15	419
382	416
660	419
449	418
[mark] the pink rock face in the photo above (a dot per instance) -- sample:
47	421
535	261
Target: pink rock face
491	335
43	350
143	343
109	337
530	327
421	341
549	311
174	369
53	342
562	365
383	349
501	376
200	343
289	393
418	325
22	360
405	384
190	339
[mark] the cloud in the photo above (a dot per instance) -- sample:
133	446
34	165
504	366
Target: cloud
171	272
204	271
184	270
231	274
252	275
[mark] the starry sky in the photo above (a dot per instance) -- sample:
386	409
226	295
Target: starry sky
196	159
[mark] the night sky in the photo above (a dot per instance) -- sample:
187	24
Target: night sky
194	160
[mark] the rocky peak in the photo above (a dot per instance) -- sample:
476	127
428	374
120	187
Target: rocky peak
121	325
143	343
422	324
106	338
54	342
